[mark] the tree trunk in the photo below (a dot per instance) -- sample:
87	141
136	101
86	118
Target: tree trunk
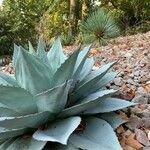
73	17
84	9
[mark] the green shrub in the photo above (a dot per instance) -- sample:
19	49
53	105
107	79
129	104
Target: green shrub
67	39
54	98
101	25
131	12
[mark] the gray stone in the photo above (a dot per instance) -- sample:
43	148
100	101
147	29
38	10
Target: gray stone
128	55
140	99
136	73
121	74
134	122
130	81
148	56
131	75
136	110
146	113
145	148
142	65
141	137
143	73
148	96
118	81
141	90
146	122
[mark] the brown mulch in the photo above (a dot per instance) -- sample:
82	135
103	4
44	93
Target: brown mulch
133	83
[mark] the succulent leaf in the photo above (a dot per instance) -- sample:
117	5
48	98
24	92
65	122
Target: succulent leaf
55	55
55	99
58	131
109	104
7	112
112	118
6	143
26	144
89	82
31	73
62	76
87	68
40	103
89	102
41	53
18	100
6	133
15	54
98	135
107	78
6	79
80	61
31	49
97	73
31	121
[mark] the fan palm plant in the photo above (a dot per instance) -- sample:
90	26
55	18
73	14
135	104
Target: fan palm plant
101	24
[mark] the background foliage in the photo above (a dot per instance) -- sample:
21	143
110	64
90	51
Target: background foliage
25	20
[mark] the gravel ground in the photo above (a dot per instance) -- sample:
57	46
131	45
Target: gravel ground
132	82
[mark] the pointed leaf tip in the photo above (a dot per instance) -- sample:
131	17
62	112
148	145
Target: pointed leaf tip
31	73
55	55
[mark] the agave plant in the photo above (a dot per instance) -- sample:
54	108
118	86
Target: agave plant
57	102
100	24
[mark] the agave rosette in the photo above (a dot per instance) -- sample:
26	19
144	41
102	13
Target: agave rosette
58	102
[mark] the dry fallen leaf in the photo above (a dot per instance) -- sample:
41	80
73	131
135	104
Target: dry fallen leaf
148	135
93	52
131	141
120	130
123	115
147	88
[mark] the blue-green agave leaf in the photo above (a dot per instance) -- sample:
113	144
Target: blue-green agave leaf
112	118
6	79
6	133
22	143
98	135
107	78
7	143
15	54
53	100
18	100
41	53
85	143
65	71
108	105
89	82
89	102
58	131
31	49
31	73
7	112
97	73
55	55
32	120
80	62
87	68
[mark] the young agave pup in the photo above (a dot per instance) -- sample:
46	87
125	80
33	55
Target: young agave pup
55	102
